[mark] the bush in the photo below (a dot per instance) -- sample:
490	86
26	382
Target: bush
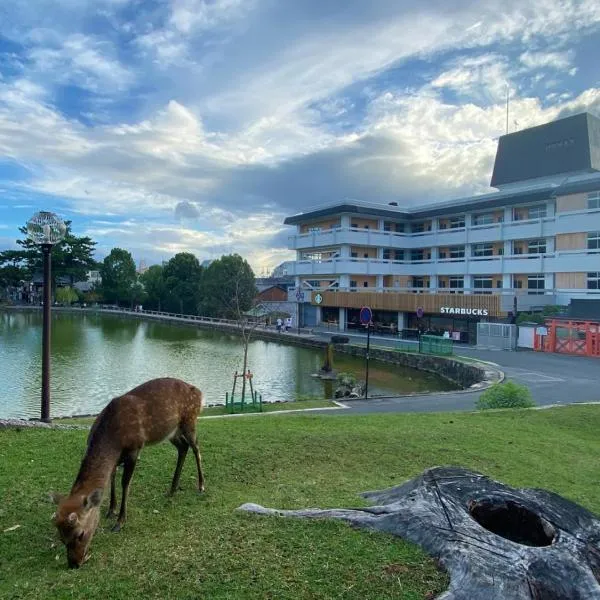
506	395
347	379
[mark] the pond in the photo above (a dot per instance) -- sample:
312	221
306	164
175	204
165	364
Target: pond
96	357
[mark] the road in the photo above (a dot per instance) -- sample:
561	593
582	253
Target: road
552	379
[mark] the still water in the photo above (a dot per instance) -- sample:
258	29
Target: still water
96	357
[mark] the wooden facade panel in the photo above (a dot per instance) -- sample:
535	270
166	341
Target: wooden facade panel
571	202
571	241
324	225
364	223
575	281
363	280
430	303
399	281
363	251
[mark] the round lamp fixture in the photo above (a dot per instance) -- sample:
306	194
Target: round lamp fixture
46	228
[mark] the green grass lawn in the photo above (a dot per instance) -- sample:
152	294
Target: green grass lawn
199	547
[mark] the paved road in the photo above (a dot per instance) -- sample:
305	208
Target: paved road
552	379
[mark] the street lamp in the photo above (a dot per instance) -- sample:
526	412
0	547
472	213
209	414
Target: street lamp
46	229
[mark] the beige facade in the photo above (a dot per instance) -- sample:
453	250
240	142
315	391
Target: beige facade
577	281
571	241
321	225
571	202
363	223
363	252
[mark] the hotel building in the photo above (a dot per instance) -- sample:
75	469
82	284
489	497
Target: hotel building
535	241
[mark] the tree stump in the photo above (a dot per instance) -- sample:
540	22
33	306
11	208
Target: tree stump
497	542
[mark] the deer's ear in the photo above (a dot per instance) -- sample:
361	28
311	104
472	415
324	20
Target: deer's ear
56	498
94	499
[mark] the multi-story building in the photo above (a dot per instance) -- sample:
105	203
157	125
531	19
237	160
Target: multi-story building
535	241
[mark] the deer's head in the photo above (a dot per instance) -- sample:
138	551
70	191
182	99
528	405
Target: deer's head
76	519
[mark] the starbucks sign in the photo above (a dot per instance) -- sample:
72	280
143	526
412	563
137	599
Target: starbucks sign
473	312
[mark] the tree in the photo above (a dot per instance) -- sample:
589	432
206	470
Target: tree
182	281
154	283
119	278
72	257
66	295
228	290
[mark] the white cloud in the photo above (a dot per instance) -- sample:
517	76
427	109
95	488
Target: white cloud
561	61
83	61
242	121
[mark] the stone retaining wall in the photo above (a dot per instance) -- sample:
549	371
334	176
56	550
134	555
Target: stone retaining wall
458	372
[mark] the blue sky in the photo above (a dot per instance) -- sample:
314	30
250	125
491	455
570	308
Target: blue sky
197	125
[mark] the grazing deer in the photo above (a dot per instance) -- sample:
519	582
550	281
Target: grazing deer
158	410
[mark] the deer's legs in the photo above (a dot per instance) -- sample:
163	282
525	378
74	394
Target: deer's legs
182	448
189	433
129	461
112	508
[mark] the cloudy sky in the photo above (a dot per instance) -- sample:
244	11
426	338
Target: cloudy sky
169	125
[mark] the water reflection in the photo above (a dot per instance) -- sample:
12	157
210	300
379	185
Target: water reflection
96	357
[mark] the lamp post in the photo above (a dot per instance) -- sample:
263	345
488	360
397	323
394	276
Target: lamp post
46	229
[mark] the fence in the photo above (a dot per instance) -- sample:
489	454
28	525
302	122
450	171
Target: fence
428	344
569	337
499	336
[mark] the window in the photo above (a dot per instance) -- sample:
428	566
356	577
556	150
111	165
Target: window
313	283
387	254
457	252
353	283
420	282
421	227
593	201
365	284
537	212
482	285
457	222
456	283
417	255
536	247
483	249
593	281
390	226
316	256
442	283
353	254
399	255
354	225
314	230
485	219
594	240
535	284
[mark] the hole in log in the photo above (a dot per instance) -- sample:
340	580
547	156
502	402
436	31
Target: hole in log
512	521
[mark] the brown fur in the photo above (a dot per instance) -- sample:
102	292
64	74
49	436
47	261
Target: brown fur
157	410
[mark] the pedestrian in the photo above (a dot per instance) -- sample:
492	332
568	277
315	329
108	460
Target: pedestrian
279	324
288	323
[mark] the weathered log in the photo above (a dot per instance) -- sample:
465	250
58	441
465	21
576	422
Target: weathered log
497	542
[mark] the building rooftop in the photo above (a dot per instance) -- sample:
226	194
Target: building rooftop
531	165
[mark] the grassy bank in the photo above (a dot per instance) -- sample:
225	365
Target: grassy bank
199	547
213	411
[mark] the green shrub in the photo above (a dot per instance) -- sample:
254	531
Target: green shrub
346	379
506	395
